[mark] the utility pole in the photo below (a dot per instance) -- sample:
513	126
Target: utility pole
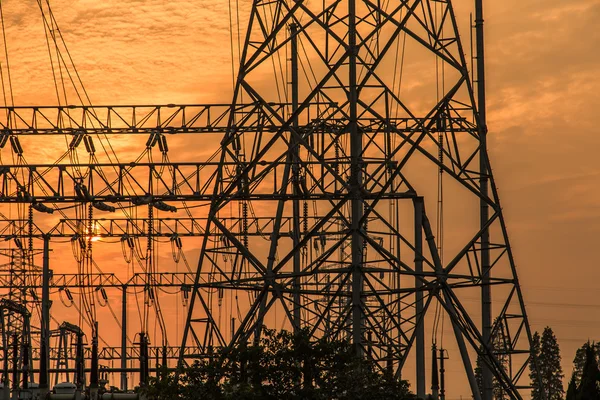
435	383
45	331
94	371
443	358
486	295
144	362
124	338
15	357
356	184
295	172
79	364
420	339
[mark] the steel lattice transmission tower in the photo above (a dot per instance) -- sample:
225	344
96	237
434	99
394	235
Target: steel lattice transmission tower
346	176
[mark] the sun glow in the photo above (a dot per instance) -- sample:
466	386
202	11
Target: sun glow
93	234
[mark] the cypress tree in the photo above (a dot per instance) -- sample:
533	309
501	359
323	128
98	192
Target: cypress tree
551	369
548	385
479	374
533	374
579	360
572	389
588	389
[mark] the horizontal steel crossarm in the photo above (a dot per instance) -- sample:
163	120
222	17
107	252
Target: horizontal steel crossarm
165	118
154	352
138	227
126	183
248	282
123	119
106	280
114	353
170	227
161	227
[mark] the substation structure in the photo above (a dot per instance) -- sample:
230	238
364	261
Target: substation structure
314	200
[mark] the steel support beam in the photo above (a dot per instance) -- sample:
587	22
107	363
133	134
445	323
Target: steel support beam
124	338
154	119
295	173
486	295
356	184
45	323
420	336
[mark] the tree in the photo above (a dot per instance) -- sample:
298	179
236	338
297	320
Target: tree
548	384
572	389
164	388
580	358
534	362
588	388
282	365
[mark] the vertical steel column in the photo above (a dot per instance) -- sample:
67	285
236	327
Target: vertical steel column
420	334
356	149
435	383
124	339
144	362
164	361
94	369
45	343
486	295
156	364
295	173
398	280
15	371
442	375
79	363
25	350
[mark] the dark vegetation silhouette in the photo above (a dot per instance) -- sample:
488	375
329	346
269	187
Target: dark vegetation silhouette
572	389
581	357
288	366
548	385
585	381
282	366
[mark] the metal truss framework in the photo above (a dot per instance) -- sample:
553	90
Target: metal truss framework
373	280
79	121
314	206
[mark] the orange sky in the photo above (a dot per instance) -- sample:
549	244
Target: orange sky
543	86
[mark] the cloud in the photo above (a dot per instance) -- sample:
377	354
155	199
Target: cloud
133	52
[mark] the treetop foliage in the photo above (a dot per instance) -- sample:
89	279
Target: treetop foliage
585	380
547	379
588	388
282	366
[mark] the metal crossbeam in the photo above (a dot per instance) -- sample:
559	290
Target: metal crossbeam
168	119
114	353
129	183
102	280
123	228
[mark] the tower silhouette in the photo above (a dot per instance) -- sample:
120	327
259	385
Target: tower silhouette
347	117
